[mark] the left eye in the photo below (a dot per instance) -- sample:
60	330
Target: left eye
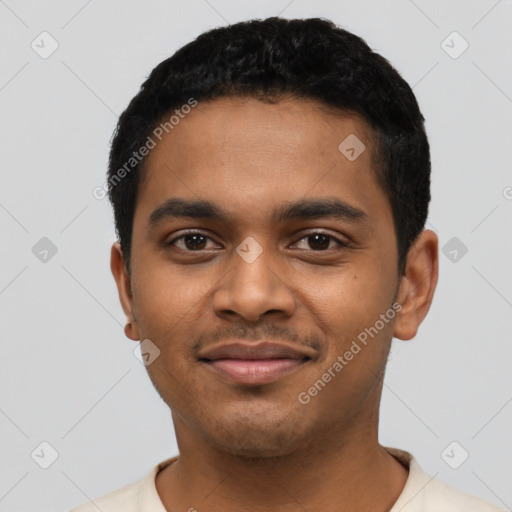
321	241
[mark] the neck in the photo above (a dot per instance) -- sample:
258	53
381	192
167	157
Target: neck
336	471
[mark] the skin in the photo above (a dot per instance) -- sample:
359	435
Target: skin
257	447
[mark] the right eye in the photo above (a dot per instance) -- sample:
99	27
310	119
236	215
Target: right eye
193	241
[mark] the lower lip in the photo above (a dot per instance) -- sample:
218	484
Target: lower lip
255	371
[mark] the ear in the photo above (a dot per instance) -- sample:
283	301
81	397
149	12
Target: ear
124	288
417	286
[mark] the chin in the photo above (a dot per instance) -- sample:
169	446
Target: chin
256	438
262	448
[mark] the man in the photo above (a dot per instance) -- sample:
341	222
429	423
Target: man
270	185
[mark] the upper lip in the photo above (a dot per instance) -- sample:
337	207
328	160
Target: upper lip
255	351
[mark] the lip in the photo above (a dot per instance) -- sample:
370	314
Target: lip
255	364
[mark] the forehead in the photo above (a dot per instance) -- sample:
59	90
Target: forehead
251	156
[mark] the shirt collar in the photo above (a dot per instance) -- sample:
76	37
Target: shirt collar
149	499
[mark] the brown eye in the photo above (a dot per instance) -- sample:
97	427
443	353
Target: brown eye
194	241
321	242
190	242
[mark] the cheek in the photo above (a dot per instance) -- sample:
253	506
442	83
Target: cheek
355	296
358	318
164	295
356	312
167	309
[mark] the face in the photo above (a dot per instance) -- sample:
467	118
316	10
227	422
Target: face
295	246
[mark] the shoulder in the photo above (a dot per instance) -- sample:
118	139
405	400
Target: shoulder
123	499
440	496
134	497
426	493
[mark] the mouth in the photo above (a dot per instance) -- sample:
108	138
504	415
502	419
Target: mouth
254	364
255	372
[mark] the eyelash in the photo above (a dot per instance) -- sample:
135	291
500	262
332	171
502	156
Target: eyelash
331	237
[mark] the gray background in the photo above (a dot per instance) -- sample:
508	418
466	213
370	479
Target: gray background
69	376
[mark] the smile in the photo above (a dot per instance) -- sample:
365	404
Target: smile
255	364
255	371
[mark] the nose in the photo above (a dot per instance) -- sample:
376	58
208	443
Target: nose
252	289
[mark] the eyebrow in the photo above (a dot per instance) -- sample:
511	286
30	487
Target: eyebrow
175	208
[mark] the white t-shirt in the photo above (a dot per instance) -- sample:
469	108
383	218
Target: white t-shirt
421	493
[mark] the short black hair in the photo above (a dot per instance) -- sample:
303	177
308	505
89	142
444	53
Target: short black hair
275	58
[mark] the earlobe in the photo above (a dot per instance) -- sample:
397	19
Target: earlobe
124	289
418	285
131	331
